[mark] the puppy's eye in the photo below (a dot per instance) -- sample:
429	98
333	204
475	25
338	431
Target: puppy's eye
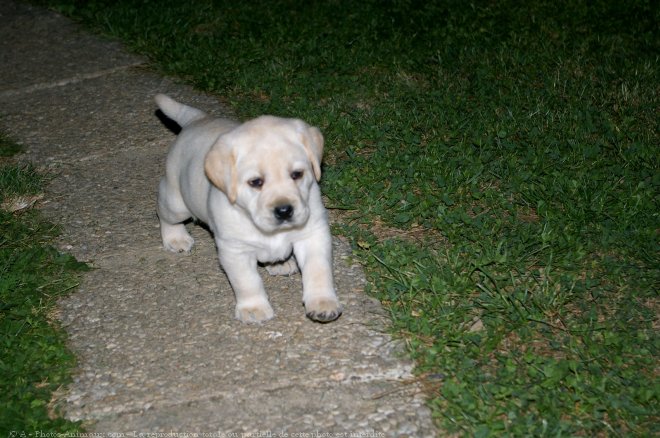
256	183
297	174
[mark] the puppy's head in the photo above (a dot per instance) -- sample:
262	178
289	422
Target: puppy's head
267	167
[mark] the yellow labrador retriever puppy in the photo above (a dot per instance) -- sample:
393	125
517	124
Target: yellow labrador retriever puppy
255	185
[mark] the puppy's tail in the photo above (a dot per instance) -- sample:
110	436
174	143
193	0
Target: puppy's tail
180	113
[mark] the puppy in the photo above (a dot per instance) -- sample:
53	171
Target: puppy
255	185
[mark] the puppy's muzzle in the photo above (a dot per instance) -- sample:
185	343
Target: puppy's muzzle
283	212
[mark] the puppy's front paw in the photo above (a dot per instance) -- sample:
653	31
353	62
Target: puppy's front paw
179	245
254	313
287	267
177	240
323	309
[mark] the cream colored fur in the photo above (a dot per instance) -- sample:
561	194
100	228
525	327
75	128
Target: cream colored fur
255	185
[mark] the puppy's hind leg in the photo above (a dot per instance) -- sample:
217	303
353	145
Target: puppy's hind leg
172	212
286	268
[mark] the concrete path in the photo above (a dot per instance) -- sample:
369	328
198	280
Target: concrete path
158	347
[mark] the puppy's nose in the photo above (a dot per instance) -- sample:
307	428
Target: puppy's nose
283	212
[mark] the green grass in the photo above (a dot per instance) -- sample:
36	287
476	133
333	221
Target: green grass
34	360
8	147
498	170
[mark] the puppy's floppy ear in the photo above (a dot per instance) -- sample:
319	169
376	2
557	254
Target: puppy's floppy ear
313	142
220	168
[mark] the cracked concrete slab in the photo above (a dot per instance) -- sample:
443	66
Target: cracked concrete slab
157	345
